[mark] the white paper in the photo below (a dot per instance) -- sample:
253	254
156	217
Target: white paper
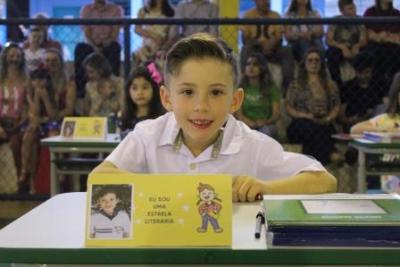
342	207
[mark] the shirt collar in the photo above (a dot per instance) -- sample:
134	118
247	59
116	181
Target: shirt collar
228	142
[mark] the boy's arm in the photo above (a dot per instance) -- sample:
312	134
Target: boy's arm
247	188
106	167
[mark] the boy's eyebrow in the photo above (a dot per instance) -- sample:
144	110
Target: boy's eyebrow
193	84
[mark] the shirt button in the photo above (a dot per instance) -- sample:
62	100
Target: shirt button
192	166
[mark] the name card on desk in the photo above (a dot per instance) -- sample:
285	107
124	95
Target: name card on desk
84	127
159	210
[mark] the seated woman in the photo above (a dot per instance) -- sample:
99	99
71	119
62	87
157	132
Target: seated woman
313	102
261	106
154	36
42	114
388	121
103	95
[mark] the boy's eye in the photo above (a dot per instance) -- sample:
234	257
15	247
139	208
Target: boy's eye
187	92
217	92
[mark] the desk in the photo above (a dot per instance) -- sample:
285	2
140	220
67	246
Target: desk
365	147
59	146
53	233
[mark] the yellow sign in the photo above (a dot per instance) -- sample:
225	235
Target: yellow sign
159	210
84	127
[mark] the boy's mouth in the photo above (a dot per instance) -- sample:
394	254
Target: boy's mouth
201	124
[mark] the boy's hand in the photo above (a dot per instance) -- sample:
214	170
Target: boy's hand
246	189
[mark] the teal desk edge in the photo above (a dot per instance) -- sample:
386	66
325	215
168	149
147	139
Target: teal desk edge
203	256
111	142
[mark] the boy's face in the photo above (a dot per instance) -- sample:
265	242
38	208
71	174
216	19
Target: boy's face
108	202
349	10
201	95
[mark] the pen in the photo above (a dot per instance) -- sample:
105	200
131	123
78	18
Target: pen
260	220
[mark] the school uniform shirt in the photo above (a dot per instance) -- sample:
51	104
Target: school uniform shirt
110	227
155	147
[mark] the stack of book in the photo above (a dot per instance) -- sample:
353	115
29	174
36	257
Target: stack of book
387	137
333	220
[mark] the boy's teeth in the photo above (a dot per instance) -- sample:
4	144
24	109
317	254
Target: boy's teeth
201	121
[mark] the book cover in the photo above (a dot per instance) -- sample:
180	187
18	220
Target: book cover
385	137
159	210
332	212
331	221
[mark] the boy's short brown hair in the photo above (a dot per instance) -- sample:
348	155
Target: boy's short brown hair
343	3
199	45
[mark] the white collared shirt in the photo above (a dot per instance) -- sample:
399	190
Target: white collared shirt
150	149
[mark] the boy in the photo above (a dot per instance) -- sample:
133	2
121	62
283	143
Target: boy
34	54
199	134
109	222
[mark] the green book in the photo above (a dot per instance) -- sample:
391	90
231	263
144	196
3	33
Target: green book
333	220
333	212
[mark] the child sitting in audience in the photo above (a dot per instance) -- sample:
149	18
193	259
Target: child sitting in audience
388	121
261	104
142	99
41	123
34	54
103	90
359	96
199	134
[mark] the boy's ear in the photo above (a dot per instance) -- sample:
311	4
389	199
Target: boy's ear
165	98
237	100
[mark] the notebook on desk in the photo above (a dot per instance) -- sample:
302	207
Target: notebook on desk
159	210
335	220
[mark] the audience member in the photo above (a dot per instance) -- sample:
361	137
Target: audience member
269	37
359	96
302	37
99	38
344	40
388	121
47	42
141	99
261	105
13	106
34	54
154	36
41	123
193	9
313	102
384	39
63	86
103	90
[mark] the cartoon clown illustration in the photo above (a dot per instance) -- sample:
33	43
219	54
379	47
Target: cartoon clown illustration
209	208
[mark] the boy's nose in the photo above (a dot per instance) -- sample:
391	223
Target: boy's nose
201	104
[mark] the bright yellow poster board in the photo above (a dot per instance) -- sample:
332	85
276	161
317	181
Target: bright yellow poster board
84	127
159	210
